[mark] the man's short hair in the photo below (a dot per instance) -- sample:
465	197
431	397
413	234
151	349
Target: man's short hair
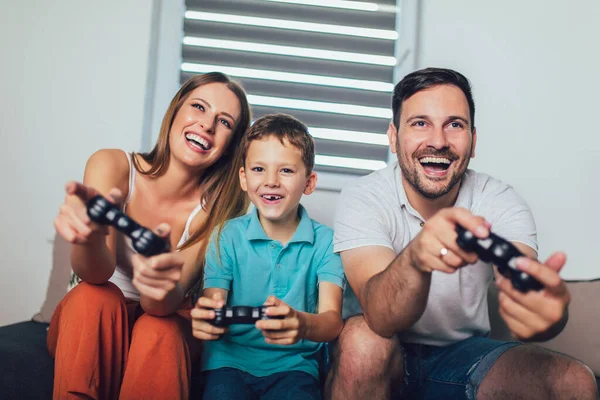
428	78
283	127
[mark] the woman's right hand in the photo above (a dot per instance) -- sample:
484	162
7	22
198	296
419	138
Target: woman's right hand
72	221
203	314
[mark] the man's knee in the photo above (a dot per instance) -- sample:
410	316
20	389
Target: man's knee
360	354
574	379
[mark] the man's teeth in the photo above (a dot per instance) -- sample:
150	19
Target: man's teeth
434	160
198	140
271	197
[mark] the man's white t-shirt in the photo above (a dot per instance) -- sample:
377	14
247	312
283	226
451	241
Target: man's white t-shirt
374	211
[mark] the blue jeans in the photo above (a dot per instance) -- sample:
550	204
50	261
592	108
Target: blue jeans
231	383
449	372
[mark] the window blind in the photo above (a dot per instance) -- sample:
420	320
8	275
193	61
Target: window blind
328	63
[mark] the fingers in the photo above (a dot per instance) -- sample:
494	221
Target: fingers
204	330
163	230
115	196
446	234
157	276
546	275
158	266
272	301
556	261
215	302
536	311
278	324
428	257
83	192
517	312
202	314
476	224
281	338
435	247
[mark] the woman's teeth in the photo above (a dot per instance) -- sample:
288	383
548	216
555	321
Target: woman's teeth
198	140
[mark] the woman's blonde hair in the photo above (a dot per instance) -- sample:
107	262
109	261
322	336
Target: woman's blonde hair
222	195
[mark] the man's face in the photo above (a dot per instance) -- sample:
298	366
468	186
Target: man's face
434	141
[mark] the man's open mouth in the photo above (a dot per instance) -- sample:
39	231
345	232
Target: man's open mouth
435	164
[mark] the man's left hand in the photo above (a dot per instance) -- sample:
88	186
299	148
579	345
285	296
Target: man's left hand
535	315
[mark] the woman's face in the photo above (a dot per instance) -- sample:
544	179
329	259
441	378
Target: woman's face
204	125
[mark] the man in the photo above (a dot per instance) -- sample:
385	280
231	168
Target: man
417	312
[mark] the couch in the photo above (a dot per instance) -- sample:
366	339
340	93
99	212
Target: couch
26	369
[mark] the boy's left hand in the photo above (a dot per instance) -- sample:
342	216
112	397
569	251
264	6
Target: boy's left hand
288	330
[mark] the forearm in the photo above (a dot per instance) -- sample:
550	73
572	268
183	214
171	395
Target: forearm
322	327
167	306
93	262
394	299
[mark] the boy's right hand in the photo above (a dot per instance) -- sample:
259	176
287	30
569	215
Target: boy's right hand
203	314
72	221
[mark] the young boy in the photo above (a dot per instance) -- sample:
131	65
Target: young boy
278	257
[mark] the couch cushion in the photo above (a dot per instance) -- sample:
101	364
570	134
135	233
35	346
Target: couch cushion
581	336
26	368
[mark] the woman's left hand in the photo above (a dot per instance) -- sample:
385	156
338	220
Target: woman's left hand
286	331
155	277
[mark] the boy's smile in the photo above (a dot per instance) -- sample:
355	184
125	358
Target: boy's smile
274	176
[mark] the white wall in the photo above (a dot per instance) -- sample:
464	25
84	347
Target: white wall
72	80
534	66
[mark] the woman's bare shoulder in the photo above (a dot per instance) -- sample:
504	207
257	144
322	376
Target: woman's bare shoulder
108	168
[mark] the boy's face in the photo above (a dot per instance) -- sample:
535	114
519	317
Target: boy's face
274	176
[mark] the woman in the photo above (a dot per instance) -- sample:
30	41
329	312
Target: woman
125	331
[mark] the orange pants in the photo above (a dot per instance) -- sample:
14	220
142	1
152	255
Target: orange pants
105	347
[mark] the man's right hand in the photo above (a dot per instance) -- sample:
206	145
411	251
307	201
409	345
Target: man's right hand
435	247
72	221
203	313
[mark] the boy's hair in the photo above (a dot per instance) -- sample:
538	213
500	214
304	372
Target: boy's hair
282	126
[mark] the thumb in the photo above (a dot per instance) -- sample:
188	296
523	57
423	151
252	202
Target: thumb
115	196
218	297
272	301
163	230
556	261
80	190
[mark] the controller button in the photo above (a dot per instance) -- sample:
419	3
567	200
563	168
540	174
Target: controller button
110	215
485	243
512	263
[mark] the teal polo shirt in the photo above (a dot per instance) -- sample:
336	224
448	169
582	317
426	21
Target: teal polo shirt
252	266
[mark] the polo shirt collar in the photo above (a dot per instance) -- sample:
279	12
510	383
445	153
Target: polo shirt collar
304	231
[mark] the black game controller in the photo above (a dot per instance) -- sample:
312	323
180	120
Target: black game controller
501	253
240	315
144	241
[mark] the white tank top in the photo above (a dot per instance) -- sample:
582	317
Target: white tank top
124	271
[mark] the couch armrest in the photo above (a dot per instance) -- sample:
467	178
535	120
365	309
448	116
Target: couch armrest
580	338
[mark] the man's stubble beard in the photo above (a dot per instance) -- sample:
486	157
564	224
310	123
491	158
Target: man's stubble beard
415	180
